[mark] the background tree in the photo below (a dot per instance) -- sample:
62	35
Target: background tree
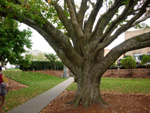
129	63
79	34
38	57
26	62
13	42
52	58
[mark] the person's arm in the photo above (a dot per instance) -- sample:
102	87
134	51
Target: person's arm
5	80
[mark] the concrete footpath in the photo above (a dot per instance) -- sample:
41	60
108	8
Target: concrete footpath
39	102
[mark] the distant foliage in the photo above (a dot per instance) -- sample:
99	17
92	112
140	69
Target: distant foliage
39	57
51	57
43	65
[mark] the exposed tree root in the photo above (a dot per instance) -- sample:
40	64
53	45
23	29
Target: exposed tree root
103	103
70	102
86	102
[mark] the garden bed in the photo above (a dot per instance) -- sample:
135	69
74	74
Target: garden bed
127	73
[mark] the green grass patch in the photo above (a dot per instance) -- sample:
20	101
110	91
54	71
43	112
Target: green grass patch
37	82
12	70
122	85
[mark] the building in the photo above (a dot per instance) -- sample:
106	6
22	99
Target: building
106	51
138	52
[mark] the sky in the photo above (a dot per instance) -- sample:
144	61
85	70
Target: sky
38	42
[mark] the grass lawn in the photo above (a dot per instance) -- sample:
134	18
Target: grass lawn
122	85
13	70
37	83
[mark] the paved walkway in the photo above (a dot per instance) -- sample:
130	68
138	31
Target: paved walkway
39	102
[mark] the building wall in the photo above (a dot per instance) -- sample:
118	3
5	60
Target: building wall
106	51
135	53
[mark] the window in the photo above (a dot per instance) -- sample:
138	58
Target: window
136	55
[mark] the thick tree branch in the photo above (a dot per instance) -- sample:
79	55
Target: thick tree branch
74	19
89	24
93	4
74	6
141	20
53	43
63	18
136	42
79	32
105	19
81	13
126	26
68	25
60	44
98	32
123	28
127	11
64	43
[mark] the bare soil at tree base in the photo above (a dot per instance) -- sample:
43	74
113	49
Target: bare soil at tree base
117	103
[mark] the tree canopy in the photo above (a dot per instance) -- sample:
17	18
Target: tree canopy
79	30
13	42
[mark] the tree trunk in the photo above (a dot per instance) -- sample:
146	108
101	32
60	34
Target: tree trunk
88	90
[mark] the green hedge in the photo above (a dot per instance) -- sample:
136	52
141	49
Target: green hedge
43	65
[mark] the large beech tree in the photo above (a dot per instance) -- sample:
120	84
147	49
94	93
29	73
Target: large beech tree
79	30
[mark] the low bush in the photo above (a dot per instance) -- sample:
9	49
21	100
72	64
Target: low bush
43	65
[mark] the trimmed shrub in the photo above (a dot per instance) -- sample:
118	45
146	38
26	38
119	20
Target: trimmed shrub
129	63
146	60
59	65
43	65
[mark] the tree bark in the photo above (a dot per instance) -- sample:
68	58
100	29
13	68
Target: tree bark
88	89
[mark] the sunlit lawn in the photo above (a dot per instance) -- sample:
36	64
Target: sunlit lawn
122	85
37	83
